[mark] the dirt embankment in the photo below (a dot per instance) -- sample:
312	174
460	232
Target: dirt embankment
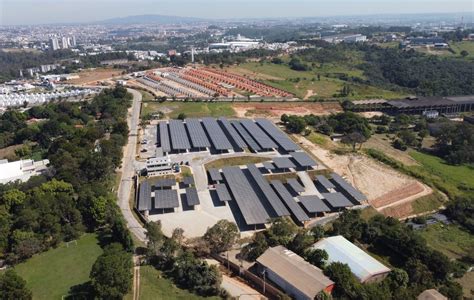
384	187
275	110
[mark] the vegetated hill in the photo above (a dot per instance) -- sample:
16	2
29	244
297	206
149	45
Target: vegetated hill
149	19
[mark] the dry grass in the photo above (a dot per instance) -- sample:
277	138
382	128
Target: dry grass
91	76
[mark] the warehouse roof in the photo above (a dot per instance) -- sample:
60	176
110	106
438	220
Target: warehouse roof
341	250
293	269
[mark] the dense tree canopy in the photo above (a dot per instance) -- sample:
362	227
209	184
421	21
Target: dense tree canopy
13	287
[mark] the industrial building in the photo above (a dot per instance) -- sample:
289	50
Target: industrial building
21	170
363	266
298	278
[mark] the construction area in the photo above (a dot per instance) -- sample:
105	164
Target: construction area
208	83
246	171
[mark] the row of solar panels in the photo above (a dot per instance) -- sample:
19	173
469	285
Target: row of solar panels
223	134
164	196
260	200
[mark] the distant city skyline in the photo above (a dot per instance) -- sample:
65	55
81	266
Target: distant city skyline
29	12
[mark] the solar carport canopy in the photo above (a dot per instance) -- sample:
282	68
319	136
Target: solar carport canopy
197	134
232	133
192	197
165	182
144	196
223	192
164	137
250	206
337	200
246	136
279	136
261	137
179	137
215	174
268	192
303	159
295	185
325	182
313	204
166	199
294	207
283	163
188	180
352	191
218	137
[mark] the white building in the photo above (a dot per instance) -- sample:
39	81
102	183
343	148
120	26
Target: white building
159	166
54	43
356	38
65	42
21	170
363	266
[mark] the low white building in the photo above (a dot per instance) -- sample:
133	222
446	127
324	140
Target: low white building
21	170
159	166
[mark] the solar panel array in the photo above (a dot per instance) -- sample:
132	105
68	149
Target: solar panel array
188	180
313	204
295	209
261	137
247	200
337	200
283	163
144	196
218	137
197	134
215	175
223	192
303	159
352	191
279	136
268	165
295	185
179	137
232	133
192	197
246	136
164	137
268	192
166	199
325	182
164	182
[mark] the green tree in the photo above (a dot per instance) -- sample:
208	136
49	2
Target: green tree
181	116
111	274
13	287
317	257
353	139
221	236
346	285
281	232
464	53
12	198
256	248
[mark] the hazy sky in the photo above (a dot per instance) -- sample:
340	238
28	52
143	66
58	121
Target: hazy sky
67	11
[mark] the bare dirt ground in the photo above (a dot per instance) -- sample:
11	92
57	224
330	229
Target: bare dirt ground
383	186
277	109
309	93
92	76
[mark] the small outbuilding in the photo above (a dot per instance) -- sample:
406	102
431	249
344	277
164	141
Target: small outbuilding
431	294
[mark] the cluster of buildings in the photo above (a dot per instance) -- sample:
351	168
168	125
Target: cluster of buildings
64	42
20	99
345	38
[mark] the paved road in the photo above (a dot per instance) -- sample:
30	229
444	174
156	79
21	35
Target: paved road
128	169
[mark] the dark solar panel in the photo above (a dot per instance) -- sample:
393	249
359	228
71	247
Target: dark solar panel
249	204
215	175
144	196
303	159
337	200
232	133
188	180
166	199
197	134
218	137
283	163
192	197
268	165
164	137
246	136
165	182
295	185
295	209
352	191
258	134
313	204
268	192
223	192
325	182
279	136
179	137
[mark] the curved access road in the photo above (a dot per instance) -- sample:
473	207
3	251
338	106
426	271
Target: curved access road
128	168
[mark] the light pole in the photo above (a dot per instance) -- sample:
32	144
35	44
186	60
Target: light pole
263	273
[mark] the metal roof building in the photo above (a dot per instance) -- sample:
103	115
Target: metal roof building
365	267
248	202
297	277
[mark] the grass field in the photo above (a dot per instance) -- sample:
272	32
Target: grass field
235	161
427	203
457	178
51	274
190	109
153	286
146	96
451	240
464	45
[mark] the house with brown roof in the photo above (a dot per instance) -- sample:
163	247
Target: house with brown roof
298	278
431	294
